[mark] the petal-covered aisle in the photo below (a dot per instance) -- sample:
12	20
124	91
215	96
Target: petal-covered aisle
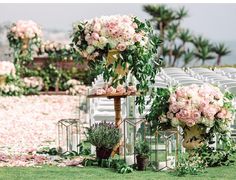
29	122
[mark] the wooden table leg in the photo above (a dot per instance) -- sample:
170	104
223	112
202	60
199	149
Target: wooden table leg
117	107
118	119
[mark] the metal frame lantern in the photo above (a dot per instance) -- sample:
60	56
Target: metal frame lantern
68	135
133	130
164	149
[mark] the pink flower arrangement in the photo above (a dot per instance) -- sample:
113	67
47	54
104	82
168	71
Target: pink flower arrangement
191	105
7	68
119	90
34	82
75	87
26	30
118	31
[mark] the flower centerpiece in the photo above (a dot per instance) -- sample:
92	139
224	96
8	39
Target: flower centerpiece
24	37
119	45
197	109
56	50
6	68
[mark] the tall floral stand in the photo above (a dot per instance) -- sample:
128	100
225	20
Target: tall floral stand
117	108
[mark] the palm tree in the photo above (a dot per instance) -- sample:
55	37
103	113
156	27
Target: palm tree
204	53
162	16
185	36
200	41
171	35
221	50
188	56
180	14
177	53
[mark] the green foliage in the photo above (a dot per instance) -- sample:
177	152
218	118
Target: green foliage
159	107
142	148
222	156
83	150
192	165
14	87
48	150
215	158
69	154
117	164
103	135
124	168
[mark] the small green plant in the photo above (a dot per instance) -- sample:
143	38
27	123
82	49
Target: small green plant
192	165
118	165
142	149
103	135
83	149
221	156
48	150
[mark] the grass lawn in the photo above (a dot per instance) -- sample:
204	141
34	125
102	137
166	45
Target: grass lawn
95	173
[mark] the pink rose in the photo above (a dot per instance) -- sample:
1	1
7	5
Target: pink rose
222	114
210	112
181	93
183	114
95	36
121	47
196	115
111	90
174	108
132	89
100	91
120	89
170	115
134	25
137	37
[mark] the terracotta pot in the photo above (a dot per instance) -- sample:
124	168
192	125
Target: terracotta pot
112	56
142	162
103	153
194	137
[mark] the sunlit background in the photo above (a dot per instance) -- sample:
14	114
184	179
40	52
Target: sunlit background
214	21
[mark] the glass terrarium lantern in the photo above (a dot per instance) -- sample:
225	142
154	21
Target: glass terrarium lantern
68	135
164	149
134	129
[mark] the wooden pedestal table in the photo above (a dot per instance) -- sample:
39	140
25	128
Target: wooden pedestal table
117	108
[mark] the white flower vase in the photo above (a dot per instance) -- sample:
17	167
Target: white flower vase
193	137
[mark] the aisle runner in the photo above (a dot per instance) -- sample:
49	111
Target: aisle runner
29	122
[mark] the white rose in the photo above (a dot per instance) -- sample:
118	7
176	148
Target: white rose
90	49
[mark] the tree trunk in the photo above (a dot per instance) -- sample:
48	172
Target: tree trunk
162	31
170	53
203	62
175	58
218	61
